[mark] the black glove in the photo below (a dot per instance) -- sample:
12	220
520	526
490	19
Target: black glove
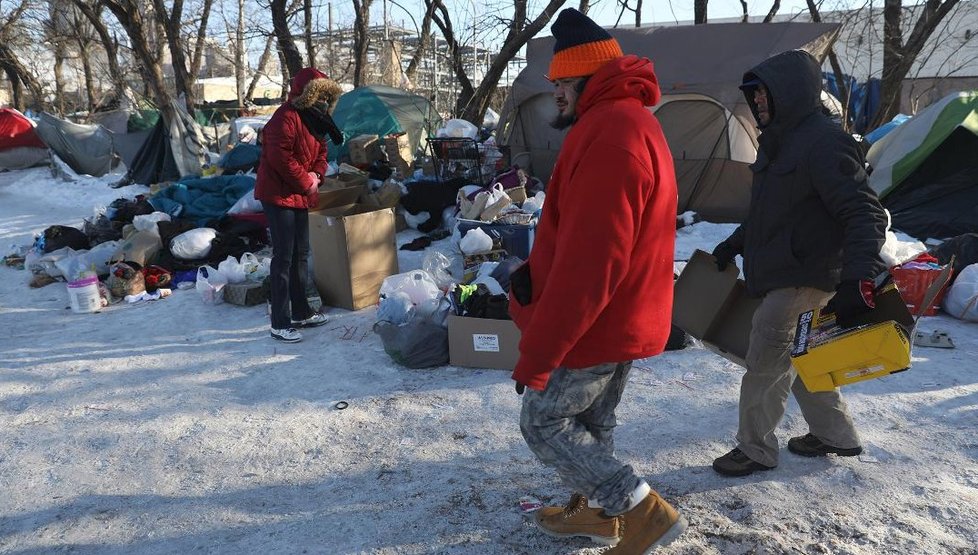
520	388
852	299
520	285
724	254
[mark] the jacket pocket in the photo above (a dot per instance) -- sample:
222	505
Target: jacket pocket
520	284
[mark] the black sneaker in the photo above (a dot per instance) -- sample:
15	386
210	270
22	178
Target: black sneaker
736	463
810	446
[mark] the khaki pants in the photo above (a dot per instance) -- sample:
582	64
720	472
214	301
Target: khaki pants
764	390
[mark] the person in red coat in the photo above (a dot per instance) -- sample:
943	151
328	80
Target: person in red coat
596	291
293	160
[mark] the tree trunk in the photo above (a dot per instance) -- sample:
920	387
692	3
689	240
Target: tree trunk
198	52
170	22
239	56
699	11
424	40
638	13
361	41
109	45
286	74
59	76
444	22
260	70
307	18
584	6
292	60
20	75
773	11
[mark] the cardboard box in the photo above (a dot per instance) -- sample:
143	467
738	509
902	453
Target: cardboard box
340	190
483	343
713	307
353	250
364	150
399	153
828	356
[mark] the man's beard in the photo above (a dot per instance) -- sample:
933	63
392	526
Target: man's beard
563	121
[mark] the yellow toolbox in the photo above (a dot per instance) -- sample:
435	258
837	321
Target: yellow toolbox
827	356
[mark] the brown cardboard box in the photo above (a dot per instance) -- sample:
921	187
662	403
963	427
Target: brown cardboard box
353	251
483	343
340	190
713	306
399	153
364	149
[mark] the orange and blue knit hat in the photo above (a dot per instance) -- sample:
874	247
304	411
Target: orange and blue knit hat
581	47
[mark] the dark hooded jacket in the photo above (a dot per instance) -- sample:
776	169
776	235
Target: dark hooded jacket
813	220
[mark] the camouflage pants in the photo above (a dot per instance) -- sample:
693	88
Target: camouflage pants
569	427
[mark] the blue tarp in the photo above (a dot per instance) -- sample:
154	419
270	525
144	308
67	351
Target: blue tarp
202	199
882	130
864	100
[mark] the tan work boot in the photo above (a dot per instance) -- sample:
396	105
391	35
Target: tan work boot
577	519
651	523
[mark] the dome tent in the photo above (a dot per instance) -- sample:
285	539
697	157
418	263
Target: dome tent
381	110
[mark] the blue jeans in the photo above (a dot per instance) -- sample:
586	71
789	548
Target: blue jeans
569	426
290	264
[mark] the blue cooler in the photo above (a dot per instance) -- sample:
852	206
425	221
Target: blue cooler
517	239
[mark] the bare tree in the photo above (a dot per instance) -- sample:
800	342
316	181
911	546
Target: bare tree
472	103
361	40
201	39
744	16
840	78
11	63
307	18
262	63
93	13
775	6
626	6
424	39
584	6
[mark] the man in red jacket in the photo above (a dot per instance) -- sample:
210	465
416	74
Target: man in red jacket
293	160
596	291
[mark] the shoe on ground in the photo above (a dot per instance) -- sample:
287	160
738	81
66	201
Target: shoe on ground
288	335
810	446
736	463
317	319
577	519
650	524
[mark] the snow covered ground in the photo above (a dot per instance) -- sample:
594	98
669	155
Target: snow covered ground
175	427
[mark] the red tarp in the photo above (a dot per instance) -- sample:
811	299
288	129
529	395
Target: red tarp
16	130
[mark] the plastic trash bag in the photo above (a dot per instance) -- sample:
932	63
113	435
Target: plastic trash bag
419	286
147	222
961	300
419	343
193	244
232	269
437	265
458	128
210	285
396	308
475	241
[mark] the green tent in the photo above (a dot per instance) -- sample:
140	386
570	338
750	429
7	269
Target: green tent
926	170
380	110
933	131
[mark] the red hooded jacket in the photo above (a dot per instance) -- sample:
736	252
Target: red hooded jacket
289	152
602	261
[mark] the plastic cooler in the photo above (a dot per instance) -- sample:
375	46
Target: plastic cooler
913	283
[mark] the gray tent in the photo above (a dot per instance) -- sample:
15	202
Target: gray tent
86	148
706	120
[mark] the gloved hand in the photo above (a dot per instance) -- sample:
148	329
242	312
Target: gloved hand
852	299
724	254
315	180
520	388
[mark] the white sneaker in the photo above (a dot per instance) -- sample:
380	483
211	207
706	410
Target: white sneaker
317	319
289	335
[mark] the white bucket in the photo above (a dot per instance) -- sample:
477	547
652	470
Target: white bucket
83	295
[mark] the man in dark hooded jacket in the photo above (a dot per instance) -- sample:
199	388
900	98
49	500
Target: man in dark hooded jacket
814	227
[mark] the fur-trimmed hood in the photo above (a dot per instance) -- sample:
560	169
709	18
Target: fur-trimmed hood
310	85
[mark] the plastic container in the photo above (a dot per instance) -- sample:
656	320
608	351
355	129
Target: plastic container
83	295
913	283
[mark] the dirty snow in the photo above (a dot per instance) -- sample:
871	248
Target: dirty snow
175	427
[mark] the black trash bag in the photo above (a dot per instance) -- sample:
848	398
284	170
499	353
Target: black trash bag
677	339
963	248
419	343
61	236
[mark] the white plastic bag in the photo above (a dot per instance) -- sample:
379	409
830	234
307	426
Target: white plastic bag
247	204
534	203
458	128
475	241
193	244
147	222
961	300
210	285
232	269
418	285
437	265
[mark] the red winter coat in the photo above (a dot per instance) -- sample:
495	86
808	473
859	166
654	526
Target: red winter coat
602	261
289	152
